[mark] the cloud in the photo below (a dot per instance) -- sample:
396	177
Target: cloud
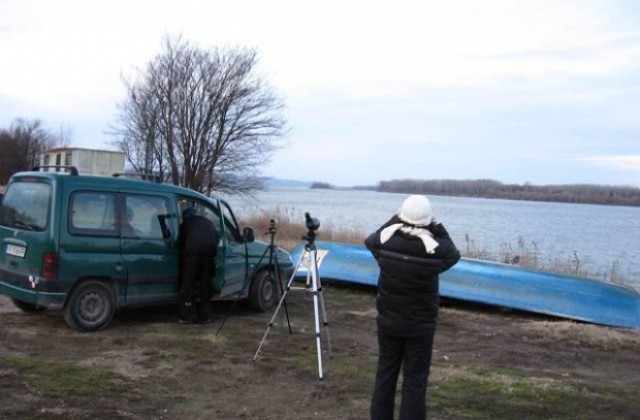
374	89
621	162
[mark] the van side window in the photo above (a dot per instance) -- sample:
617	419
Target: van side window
147	217
230	222
26	206
92	213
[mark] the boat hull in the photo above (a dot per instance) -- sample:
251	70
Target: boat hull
497	284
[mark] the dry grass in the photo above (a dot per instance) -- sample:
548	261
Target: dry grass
584	334
290	229
527	254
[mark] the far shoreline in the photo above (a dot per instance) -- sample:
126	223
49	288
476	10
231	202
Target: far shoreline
347	189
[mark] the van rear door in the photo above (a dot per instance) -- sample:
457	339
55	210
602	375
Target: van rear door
26	235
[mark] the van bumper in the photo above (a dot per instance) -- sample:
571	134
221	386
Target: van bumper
32	296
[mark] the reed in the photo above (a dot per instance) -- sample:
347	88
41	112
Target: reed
290	231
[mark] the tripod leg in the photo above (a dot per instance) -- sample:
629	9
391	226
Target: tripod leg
275	313
273	265
325	322
314	289
264	337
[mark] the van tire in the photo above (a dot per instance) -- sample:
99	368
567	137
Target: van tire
27	307
91	306
264	291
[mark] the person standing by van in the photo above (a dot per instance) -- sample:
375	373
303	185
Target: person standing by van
198	245
412	249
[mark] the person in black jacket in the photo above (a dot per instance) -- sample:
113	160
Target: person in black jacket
412	249
198	246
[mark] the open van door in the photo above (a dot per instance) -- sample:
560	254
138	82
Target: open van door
231	260
235	264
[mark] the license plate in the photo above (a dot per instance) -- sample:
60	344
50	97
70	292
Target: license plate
16	250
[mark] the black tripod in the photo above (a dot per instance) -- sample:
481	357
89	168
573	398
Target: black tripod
273	272
313	286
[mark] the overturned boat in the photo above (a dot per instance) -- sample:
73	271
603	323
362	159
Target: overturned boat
492	283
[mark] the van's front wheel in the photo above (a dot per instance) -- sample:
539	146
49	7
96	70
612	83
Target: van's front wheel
264	291
91	307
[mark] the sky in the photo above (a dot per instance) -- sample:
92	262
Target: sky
537	91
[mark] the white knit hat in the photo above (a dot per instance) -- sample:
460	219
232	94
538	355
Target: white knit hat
416	210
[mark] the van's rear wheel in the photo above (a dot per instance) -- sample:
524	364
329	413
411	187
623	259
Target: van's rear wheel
264	291
91	307
27	307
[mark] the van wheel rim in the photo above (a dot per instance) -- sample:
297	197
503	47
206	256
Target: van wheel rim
267	291
92	307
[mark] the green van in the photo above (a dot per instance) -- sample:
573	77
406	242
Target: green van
92	244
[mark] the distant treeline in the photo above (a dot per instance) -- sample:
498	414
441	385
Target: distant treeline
486	188
321	186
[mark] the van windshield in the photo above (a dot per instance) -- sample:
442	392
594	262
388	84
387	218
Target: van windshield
26	206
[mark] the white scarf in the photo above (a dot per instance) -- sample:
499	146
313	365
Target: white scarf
423	234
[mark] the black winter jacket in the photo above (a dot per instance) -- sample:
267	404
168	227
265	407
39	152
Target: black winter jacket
197	235
408	285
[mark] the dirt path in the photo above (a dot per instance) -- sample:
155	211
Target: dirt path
488	364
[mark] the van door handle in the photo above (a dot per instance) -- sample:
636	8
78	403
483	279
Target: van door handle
118	268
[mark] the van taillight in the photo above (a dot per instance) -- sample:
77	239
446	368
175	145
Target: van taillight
50	265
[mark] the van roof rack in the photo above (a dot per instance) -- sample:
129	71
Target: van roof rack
71	169
145	176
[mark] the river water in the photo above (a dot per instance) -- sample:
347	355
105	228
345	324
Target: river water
602	237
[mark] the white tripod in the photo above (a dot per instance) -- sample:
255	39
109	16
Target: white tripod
313	286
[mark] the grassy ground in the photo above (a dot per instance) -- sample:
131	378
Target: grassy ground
487	364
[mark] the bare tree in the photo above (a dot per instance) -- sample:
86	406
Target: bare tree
203	119
64	136
22	145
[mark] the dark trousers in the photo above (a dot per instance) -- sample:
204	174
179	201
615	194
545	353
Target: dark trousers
195	295
414	355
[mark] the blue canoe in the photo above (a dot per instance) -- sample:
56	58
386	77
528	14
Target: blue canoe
497	284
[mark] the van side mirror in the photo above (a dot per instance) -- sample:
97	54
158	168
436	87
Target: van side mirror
248	235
